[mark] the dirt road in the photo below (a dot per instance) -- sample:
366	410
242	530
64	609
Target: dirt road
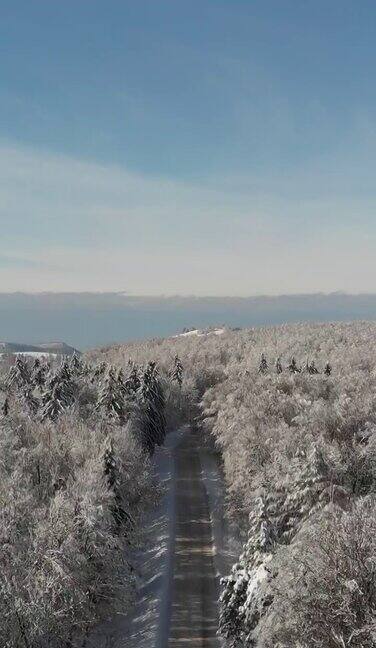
194	587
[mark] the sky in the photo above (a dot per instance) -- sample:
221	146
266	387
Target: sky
201	147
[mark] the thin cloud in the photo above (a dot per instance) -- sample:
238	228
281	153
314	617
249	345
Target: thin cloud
74	225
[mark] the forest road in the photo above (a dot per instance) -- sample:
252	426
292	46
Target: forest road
194	586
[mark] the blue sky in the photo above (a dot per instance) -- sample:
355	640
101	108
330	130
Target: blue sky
193	147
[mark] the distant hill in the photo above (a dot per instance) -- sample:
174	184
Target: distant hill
87	320
55	348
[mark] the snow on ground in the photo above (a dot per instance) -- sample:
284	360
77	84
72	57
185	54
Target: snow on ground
200	332
147	624
193	333
226	547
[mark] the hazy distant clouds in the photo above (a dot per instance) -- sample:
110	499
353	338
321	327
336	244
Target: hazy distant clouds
90	319
74	225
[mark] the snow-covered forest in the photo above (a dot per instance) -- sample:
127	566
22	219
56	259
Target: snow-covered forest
75	447
292	412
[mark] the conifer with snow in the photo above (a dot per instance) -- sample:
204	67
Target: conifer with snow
110	400
111	471
328	369
293	367
132	383
176	374
263	366
312	369
152	401
5	407
19	374
31	402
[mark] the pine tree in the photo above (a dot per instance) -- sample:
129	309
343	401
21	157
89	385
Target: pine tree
31	402
19	374
278	366
75	365
328	369
133	382
242	601
59	393
293	367
5	407
111	471
99	371
111	397
263	367
39	373
176	374
153	403
312	369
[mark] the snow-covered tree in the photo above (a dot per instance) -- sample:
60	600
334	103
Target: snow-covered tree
176	374
328	369
152	401
263	366
5	407
312	369
19	374
111	397
278	366
30	401
133	381
293	367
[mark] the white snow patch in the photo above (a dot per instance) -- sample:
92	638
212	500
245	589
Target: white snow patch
201	333
32	354
193	333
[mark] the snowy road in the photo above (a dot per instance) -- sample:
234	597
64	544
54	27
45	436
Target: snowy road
194	587
183	552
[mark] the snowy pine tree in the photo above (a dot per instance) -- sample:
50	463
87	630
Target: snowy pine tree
59	393
153	403
133	382
76	366
245	595
39	373
176	374
19	375
30	401
111	397
5	407
263	366
111	471
312	369
293	367
328	369
278	366
99	372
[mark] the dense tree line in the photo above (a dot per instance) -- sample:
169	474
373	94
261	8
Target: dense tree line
75	444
